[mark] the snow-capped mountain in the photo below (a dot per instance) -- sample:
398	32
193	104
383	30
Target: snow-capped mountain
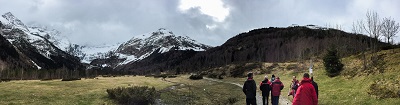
162	40
38	36
97	52
37	42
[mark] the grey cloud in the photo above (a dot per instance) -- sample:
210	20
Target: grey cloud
111	21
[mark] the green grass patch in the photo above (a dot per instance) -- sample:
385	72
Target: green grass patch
86	91
139	95
202	92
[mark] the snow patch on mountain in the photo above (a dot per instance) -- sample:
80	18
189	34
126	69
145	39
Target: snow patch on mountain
41	37
98	51
11	20
52	35
162	40
37	66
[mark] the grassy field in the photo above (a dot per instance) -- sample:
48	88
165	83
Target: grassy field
343	90
340	90
82	92
179	90
203	92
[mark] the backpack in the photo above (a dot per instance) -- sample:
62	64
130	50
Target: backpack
265	86
295	85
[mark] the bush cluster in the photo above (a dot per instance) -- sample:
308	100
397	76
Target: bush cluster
292	67
216	75
232	100
5	80
385	89
137	95
196	77
240	69
161	75
70	79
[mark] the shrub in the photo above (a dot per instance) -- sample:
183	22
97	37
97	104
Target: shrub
196	77
238	71
332	63
172	76
232	100
149	75
70	79
140	95
291	67
385	89
164	76
5	80
212	75
268	69
47	79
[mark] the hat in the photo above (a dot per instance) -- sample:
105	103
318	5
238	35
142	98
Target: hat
306	75
250	74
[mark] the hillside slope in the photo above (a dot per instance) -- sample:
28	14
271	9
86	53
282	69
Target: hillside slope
272	45
11	58
354	86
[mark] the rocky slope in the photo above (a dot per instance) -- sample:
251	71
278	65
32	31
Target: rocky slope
37	44
142	46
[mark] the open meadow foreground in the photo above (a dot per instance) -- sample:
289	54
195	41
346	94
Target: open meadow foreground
199	52
343	89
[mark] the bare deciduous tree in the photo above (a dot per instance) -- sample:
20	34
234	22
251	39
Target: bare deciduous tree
357	27
389	29
373	24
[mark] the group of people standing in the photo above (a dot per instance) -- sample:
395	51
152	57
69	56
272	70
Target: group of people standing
304	92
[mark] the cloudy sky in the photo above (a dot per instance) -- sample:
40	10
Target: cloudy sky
207	21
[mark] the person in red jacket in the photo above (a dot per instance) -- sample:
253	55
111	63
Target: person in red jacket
305	94
277	86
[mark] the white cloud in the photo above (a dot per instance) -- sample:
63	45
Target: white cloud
214	8
211	27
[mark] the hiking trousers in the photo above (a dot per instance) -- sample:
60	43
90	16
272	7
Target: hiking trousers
265	100
251	101
275	100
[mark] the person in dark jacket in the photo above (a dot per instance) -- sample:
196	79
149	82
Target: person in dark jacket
306	94
293	86
315	85
265	87
272	78
249	89
277	86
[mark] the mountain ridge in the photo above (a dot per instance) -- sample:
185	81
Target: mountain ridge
271	44
35	44
142	46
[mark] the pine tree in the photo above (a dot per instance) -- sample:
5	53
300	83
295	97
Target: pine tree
332	63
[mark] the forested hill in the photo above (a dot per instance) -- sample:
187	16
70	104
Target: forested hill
267	45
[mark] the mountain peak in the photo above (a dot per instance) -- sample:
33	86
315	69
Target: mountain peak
162	32
160	41
15	21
